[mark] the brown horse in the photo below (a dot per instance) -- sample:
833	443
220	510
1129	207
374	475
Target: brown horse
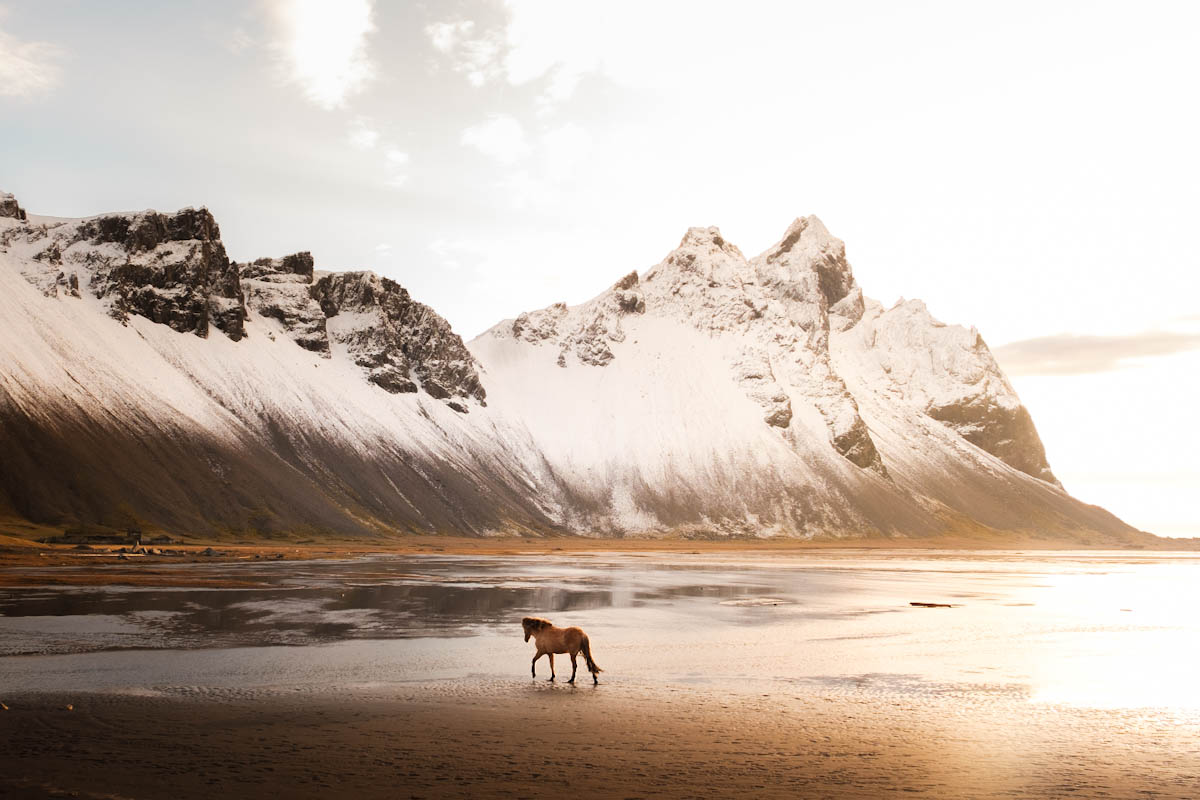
551	640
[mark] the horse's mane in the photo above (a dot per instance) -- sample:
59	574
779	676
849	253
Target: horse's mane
536	623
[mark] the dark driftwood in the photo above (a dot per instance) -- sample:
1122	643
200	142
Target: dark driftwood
931	605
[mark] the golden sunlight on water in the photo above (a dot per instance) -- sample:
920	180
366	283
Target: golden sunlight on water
1135	641
1086	630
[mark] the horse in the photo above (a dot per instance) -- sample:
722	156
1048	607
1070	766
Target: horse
551	640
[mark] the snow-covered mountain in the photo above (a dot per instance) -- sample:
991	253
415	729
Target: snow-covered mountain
147	380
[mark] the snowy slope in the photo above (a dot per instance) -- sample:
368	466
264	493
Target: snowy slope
148	381
724	395
107	420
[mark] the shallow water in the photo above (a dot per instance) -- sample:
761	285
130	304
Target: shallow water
1094	630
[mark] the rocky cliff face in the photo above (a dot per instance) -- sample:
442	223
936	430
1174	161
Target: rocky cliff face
169	268
281	289
402	344
10	208
779	311
630	392
948	373
173	269
778	308
712	395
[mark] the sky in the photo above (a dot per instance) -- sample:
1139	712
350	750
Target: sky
1030	169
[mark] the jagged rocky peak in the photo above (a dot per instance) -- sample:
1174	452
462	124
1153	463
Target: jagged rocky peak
775	309
540	325
708	240
10	208
796	291
809	264
169	268
144	231
948	372
584	333
173	269
281	289
704	258
629	299
298	267
404	345
709	395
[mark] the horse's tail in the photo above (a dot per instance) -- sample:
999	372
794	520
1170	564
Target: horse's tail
587	656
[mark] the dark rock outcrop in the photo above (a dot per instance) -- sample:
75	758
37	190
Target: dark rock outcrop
169	268
280	288
404	345
296	264
173	269
948	373
10	208
1006	433
810	287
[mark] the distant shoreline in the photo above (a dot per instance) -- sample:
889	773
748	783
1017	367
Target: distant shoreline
31	563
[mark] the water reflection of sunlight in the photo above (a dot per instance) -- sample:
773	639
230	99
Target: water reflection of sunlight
1125	639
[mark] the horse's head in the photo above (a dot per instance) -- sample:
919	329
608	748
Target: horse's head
532	625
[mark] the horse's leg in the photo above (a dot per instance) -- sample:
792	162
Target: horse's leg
533	665
551	665
574	667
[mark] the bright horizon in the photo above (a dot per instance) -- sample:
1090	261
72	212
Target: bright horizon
1030	171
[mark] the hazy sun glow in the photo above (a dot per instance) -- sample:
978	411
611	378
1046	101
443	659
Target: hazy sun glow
324	47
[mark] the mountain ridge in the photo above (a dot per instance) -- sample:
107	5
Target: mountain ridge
150	381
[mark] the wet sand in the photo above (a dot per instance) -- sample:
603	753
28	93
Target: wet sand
742	673
554	741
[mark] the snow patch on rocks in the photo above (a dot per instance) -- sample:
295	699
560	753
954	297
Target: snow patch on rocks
775	310
169	268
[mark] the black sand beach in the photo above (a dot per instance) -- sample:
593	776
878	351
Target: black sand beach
803	675
552	741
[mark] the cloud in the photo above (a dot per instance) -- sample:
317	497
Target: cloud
500	137
477	57
27	69
564	148
448	253
395	165
362	136
322	47
563	41
239	40
537	40
1068	354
